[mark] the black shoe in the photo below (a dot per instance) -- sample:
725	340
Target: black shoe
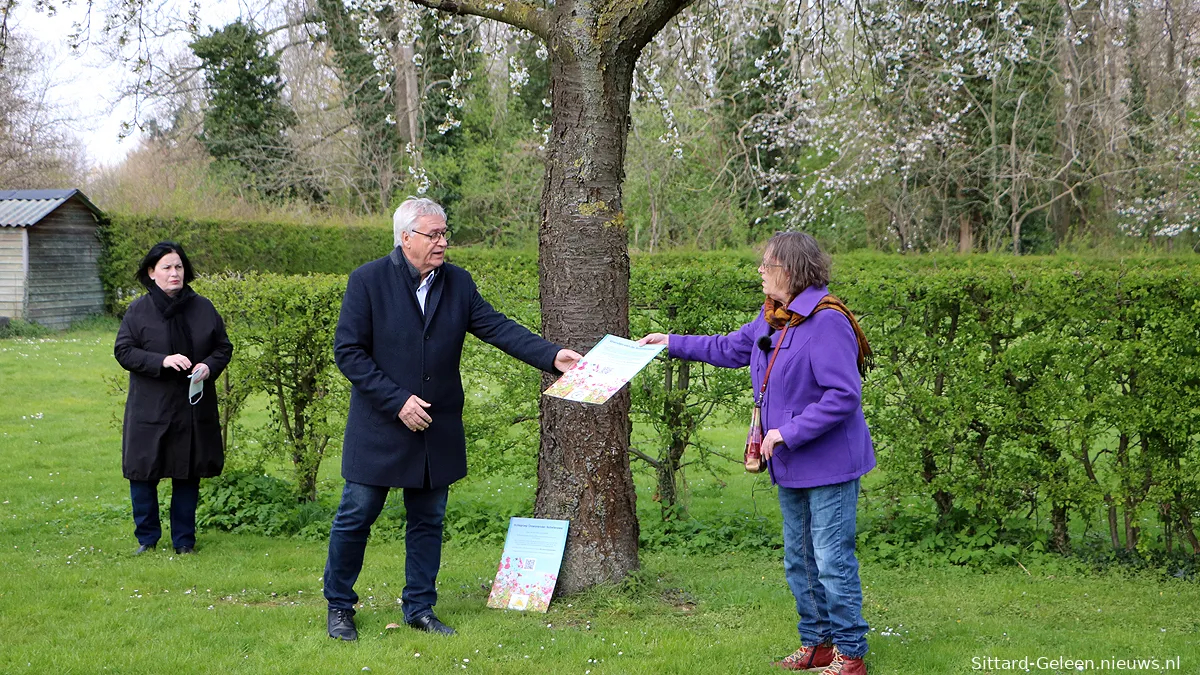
184	550
143	548
430	624
341	624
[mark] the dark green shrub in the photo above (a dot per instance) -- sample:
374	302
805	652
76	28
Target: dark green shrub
19	328
244	501
732	531
282	330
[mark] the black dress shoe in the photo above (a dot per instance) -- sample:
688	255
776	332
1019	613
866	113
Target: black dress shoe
143	548
430	624
184	550
341	624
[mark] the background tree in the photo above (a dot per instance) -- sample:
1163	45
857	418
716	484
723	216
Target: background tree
246	121
368	96
37	147
896	125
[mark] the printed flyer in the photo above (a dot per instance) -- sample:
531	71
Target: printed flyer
604	370
533	553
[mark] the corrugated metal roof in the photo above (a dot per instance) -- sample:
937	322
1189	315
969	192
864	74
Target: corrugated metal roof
22	208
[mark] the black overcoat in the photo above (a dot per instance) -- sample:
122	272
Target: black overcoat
164	435
389	351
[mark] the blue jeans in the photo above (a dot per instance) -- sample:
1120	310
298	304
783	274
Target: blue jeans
147	527
818	558
360	506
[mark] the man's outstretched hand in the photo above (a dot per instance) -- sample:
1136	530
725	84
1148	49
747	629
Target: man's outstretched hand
566	359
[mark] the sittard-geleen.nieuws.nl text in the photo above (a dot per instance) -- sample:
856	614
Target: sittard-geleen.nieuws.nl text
1028	663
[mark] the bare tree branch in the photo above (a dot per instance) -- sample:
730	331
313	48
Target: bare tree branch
644	457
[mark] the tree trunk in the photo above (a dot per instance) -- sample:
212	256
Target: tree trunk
1185	520
1014	194
583	465
1186	528
1113	532
679	427
965	243
1086	457
231	404
583	271
1060	537
408	96
1124	468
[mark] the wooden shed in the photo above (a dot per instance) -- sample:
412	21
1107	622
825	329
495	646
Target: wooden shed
49	256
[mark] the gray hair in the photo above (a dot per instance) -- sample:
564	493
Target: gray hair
405	218
802	258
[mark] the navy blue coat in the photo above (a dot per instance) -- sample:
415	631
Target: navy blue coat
390	351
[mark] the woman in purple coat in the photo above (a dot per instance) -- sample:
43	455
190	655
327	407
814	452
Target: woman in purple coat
816	441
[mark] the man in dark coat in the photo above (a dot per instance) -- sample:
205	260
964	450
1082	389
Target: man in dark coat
399	341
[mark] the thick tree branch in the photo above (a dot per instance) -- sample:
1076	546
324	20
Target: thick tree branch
512	12
651	17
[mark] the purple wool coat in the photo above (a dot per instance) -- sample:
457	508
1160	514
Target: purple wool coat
814	396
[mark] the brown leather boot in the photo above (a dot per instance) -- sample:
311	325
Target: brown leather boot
844	665
805	658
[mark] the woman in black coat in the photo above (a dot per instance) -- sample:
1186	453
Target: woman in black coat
171	340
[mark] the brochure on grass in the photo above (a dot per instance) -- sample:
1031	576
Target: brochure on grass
533	553
604	370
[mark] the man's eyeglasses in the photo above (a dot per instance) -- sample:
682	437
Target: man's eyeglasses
444	235
767	266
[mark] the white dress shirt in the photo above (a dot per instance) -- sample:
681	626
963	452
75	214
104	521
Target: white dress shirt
423	289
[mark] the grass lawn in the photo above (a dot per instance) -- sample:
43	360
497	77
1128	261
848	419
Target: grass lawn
73	599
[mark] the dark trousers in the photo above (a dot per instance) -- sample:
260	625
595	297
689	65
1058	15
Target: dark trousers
185	495
360	506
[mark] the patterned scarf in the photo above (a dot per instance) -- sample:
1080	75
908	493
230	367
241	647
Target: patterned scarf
777	315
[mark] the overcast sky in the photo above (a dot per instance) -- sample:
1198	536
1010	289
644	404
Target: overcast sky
83	83
86	82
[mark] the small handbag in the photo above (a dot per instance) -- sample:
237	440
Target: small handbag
753	460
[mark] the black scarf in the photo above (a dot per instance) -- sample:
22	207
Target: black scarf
172	310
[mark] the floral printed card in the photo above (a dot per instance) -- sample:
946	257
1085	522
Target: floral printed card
533	553
604	370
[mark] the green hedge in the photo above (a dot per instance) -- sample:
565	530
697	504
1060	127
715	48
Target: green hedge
217	246
1037	404
1033	403
1023	403
1018	404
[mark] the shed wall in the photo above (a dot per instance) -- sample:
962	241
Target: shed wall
64	272
12	271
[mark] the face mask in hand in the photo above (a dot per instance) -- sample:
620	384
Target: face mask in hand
195	390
